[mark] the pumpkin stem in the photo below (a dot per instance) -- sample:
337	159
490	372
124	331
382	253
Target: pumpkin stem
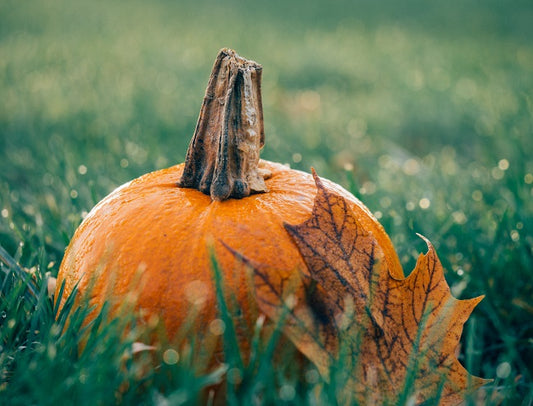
223	157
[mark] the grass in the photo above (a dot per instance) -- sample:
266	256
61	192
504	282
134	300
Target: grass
423	111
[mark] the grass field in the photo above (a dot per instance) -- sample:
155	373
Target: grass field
423	110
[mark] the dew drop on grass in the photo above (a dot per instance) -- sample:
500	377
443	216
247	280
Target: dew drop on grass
477	195
5	213
290	301
411	401
287	392
368	188
503	164
497	173
385	202
424	203
310	100
411	167
52	351
234	376
171	357
398	220
55	330
458	288
357	127
459	217
48	179
311	376
217	327
503	370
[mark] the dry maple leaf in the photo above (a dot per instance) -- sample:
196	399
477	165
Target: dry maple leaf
399	336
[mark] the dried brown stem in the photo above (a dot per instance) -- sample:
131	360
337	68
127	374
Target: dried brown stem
223	156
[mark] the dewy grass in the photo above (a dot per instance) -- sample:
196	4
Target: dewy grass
51	357
78	359
231	341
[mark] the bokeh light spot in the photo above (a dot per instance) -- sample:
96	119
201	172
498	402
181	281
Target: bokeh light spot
171	357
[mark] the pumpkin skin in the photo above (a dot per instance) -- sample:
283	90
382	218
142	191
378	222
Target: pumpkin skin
152	238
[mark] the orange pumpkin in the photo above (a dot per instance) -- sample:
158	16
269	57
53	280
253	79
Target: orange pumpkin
153	235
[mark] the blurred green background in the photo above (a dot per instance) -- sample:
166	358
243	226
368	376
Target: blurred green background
423	109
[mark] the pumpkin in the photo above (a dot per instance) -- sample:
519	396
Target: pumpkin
152	238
